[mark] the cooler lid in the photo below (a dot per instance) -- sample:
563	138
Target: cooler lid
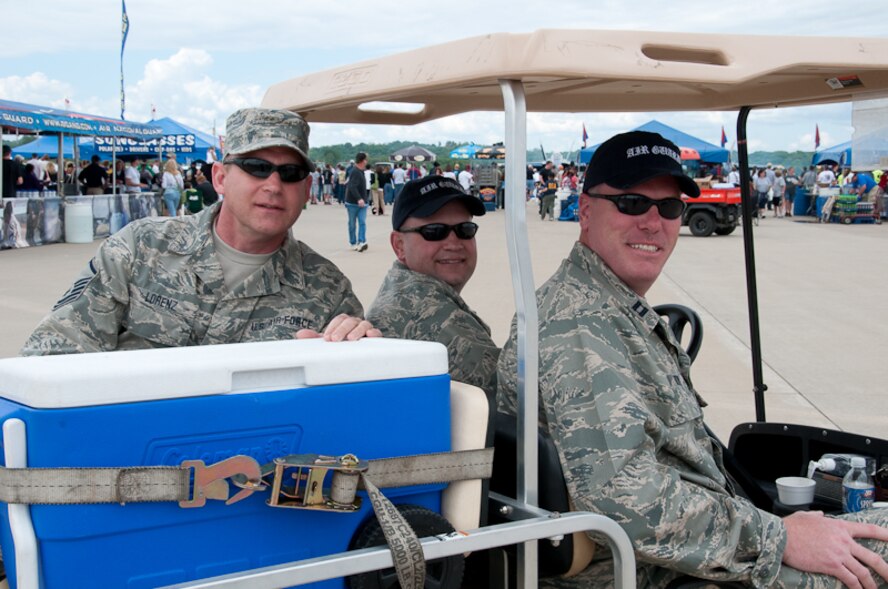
82	380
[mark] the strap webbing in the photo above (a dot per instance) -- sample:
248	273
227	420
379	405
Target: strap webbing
55	486
45	486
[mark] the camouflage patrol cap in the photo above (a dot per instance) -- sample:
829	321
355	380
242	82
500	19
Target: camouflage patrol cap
249	129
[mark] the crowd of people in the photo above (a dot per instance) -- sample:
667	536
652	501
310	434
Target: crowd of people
775	188
39	176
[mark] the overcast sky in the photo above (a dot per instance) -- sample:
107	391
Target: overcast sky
197	61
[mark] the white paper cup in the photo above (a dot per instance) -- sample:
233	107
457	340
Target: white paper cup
795	490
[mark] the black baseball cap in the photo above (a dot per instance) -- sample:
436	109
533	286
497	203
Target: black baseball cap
425	196
628	159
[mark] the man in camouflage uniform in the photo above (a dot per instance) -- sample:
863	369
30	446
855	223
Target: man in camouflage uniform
229	274
616	397
434	241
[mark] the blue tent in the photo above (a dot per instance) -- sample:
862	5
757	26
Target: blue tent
708	152
49	145
465	152
837	154
175	137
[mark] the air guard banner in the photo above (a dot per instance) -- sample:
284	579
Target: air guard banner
20	116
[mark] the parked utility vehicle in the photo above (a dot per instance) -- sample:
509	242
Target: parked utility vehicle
716	210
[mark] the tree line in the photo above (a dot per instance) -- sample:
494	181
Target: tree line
381	152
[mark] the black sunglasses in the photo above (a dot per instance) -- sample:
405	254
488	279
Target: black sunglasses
440	231
638	204
259	168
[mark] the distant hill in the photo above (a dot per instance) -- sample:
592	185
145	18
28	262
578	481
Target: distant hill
798	159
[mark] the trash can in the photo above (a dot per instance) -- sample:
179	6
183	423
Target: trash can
801	203
78	220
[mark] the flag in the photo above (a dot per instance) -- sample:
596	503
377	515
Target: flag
585	136
67	104
153	112
213	149
724	139
124	29
542	151
816	137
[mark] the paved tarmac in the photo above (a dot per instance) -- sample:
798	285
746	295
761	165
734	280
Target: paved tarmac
821	288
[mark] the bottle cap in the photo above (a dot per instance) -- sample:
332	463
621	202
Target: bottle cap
858	462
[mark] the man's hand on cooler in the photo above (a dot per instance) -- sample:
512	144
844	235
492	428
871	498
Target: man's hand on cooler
818	544
342	328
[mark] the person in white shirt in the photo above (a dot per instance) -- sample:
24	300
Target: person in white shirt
466	179
132	178
826	178
734	176
172	184
39	167
399	177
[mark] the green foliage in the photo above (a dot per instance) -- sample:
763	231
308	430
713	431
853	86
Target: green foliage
381	152
22	140
798	159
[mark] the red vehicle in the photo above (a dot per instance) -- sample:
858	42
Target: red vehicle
715	210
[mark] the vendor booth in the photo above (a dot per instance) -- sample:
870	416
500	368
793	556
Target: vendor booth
39	217
414	153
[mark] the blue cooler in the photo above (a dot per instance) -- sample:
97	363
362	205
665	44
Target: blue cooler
375	398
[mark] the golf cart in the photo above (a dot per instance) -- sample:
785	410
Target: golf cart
581	71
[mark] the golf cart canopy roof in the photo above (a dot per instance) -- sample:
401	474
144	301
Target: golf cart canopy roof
591	71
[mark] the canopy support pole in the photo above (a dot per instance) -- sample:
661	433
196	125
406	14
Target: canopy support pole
114	165
527	317
1	165
749	204
60	164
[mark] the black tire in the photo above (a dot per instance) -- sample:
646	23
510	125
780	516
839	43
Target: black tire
702	224
725	230
442	573
846	220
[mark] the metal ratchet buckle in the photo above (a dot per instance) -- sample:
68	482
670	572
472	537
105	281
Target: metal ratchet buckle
208	482
307	473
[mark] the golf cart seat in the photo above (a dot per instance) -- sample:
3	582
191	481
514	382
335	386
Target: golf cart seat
574	553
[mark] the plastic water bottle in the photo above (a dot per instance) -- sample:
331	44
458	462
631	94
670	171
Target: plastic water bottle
858	490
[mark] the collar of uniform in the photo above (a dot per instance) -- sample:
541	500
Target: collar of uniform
591	263
402	273
190	242
286	265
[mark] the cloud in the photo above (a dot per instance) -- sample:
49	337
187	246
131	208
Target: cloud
246	46
36	88
179	87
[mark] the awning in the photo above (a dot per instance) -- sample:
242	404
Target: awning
17	117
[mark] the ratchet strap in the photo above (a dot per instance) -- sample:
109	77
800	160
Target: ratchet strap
296	481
